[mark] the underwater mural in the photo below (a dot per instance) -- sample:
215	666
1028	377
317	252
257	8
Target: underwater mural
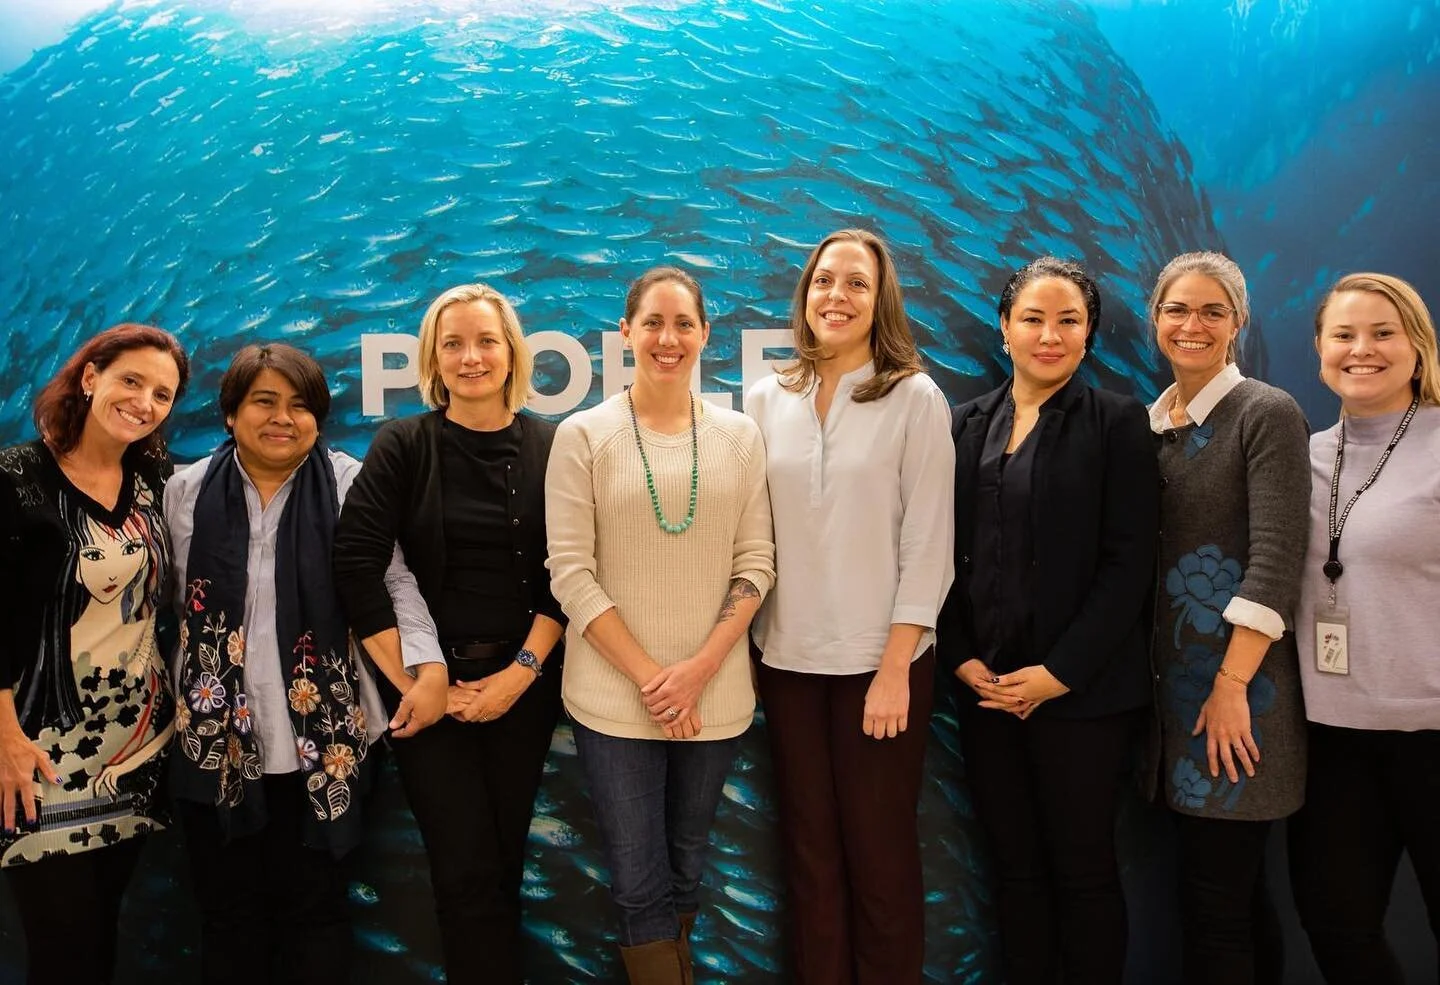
316	173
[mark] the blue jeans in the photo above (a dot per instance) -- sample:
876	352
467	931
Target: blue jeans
655	803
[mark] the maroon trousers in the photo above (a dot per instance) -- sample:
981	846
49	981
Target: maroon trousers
848	827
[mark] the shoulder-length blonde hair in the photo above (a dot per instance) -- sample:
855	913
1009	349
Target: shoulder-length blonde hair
892	347
1414	316
522	362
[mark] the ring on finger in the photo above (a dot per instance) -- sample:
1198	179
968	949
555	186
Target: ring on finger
673	714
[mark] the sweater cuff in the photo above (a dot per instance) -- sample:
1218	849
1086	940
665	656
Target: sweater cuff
1253	615
762	580
371	614
587	608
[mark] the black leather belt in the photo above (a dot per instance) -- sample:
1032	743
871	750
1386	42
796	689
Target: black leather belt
472	661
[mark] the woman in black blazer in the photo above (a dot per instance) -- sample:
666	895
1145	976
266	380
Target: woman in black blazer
1056	516
462	490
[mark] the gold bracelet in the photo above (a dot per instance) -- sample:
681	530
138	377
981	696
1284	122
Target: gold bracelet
1223	672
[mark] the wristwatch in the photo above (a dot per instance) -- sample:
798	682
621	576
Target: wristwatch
526	658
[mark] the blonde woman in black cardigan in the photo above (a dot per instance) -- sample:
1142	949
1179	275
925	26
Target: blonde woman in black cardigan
462	491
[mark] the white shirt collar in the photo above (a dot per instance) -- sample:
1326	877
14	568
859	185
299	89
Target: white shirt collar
1203	403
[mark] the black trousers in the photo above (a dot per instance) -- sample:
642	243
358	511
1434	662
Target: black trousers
58	895
1232	933
1369	796
471	787
271	909
1046	792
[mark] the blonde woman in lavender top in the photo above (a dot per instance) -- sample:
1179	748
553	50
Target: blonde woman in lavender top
1368	628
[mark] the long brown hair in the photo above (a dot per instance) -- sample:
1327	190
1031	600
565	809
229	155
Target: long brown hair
892	347
61	407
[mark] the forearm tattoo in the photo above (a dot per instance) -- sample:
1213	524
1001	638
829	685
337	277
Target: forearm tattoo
740	588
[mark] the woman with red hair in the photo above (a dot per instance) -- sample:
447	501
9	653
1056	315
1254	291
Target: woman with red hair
85	711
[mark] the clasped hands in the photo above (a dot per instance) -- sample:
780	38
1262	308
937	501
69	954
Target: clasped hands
430	696
672	696
1019	692
488	698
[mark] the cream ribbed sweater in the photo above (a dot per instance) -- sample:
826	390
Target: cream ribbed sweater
606	549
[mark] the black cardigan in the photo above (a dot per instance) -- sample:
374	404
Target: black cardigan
396	498
1095	509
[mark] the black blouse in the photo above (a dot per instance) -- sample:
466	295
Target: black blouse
399	497
1002	592
480	599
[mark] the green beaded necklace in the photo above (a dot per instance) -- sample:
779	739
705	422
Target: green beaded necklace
666	525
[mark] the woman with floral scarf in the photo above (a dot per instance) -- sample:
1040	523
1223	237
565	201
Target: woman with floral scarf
276	715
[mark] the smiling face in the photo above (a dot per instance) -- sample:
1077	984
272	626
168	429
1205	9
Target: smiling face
109	562
471	353
840	302
667	332
273	426
1046	331
1365	355
132	396
1200	345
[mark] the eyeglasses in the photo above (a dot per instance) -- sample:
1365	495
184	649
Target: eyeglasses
1210	315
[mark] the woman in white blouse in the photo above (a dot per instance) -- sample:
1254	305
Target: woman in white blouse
861	471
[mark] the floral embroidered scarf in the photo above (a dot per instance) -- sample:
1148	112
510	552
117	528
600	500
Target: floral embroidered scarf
219	760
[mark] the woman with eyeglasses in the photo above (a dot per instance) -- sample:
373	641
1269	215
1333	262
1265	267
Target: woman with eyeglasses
1235	493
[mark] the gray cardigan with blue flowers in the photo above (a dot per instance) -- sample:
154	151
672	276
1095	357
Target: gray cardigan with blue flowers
1234	518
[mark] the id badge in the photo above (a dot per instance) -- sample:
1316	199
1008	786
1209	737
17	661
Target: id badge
1332	640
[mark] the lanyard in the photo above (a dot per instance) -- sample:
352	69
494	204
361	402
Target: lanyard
1333	568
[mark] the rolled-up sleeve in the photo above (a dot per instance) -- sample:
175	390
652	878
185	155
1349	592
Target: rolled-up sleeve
570	527
754	558
1277	487
927	528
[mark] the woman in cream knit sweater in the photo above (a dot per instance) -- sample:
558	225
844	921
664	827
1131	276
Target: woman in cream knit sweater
661	551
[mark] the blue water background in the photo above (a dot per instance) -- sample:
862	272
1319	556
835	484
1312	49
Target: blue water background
237	179
1314	128
313	181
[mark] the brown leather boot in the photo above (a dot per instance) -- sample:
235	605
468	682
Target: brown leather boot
687	960
655	963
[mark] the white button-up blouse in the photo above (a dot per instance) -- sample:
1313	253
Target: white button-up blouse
864	514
